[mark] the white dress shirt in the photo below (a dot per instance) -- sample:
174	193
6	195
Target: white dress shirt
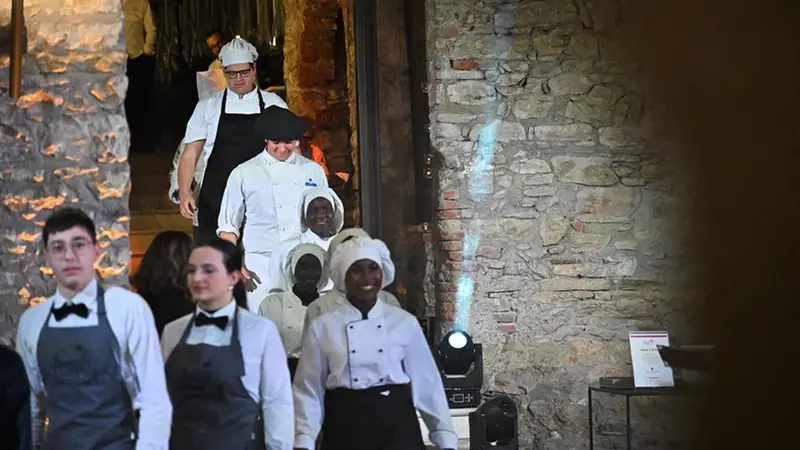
265	194
286	311
205	120
343	350
335	298
266	376
142	367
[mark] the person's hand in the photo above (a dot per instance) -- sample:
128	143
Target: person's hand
251	280
188	207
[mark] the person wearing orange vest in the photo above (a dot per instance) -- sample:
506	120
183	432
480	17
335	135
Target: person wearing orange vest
315	153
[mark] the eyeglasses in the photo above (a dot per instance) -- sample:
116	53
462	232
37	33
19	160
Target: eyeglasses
60	248
237	73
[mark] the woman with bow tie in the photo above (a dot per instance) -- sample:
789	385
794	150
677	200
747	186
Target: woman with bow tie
226	367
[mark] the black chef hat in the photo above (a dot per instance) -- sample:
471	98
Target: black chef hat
279	125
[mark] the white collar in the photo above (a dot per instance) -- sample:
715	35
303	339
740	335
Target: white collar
250	95
226	311
270	160
376	311
88	296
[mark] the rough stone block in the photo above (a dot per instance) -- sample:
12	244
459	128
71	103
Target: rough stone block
574	284
572	132
589	171
606	204
535	104
569	84
501	132
471	92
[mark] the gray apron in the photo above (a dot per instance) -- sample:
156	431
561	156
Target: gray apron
88	403
212	410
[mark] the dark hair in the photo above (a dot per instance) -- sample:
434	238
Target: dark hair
212	32
65	218
232	258
163	266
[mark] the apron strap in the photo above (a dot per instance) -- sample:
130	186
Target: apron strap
222	103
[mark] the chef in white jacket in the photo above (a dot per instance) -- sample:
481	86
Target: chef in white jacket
307	274
334	298
265	193
220	133
321	218
360	362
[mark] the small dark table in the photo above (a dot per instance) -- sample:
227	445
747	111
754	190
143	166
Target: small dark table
629	392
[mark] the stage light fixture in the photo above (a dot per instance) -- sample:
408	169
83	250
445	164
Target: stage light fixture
494	425
460	363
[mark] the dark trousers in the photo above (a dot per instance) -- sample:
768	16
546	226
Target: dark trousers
138	103
378	418
204	235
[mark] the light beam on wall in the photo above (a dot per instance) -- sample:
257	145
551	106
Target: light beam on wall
480	184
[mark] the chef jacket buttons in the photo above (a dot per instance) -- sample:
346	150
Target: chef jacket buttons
351	327
379	326
355	380
352	351
380	350
381	380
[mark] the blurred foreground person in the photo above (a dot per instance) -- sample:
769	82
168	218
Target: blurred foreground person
15	412
91	353
226	367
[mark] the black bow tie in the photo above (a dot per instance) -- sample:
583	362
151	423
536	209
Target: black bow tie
202	320
79	309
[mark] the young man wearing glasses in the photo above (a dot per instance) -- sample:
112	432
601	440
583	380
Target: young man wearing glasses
91	354
220	136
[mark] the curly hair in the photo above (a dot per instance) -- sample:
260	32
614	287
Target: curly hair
163	266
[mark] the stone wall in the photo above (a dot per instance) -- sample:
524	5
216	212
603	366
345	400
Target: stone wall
558	204
64	142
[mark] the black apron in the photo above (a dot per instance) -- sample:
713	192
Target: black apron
235	143
368	419
212	410
88	403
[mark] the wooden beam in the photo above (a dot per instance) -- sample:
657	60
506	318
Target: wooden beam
416	41
369	149
17	28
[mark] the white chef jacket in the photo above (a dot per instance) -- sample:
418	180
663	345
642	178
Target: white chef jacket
265	193
205	121
266	375
286	311
335	298
342	350
277	277
142	368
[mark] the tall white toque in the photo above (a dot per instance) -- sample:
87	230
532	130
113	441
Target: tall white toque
238	51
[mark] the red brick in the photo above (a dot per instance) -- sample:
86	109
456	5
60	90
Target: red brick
452	236
451	266
448	310
454	256
446	205
447	287
448	32
464	64
450	246
449	214
506	328
490	252
450	195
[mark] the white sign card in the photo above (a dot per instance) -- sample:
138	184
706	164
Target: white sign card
649	370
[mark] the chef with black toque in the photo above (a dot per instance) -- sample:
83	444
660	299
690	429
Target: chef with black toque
265	193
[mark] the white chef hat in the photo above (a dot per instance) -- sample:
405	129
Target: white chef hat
355	250
328	194
238	51
344	235
298	252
